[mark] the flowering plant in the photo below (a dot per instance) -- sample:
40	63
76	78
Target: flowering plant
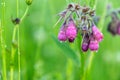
82	23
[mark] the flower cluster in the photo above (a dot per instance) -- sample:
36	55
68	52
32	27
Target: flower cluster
68	31
78	20
91	40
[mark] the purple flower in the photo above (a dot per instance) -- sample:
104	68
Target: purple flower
97	34
62	34
71	31
114	27
85	47
84	25
94	44
85	43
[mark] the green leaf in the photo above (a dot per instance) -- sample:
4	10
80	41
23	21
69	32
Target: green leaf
68	51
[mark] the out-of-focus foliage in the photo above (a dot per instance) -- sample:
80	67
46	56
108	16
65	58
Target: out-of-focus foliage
43	59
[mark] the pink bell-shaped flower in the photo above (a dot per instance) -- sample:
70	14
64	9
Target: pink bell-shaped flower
97	34
62	34
71	30
94	44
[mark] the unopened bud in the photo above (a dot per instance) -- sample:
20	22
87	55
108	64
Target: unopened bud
92	13
29	2
15	21
85	9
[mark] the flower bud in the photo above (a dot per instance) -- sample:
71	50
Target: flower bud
77	7
29	2
15	21
92	13
85	9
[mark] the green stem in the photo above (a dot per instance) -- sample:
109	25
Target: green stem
3	42
16	32
18	54
69	69
87	71
13	53
13	49
82	63
90	61
19	37
17	9
24	15
17	3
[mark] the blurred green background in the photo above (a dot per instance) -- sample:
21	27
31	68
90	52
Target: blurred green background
43	59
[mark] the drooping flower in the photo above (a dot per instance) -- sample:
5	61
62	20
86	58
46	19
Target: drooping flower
114	25
94	44
71	30
62	33
85	43
97	34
